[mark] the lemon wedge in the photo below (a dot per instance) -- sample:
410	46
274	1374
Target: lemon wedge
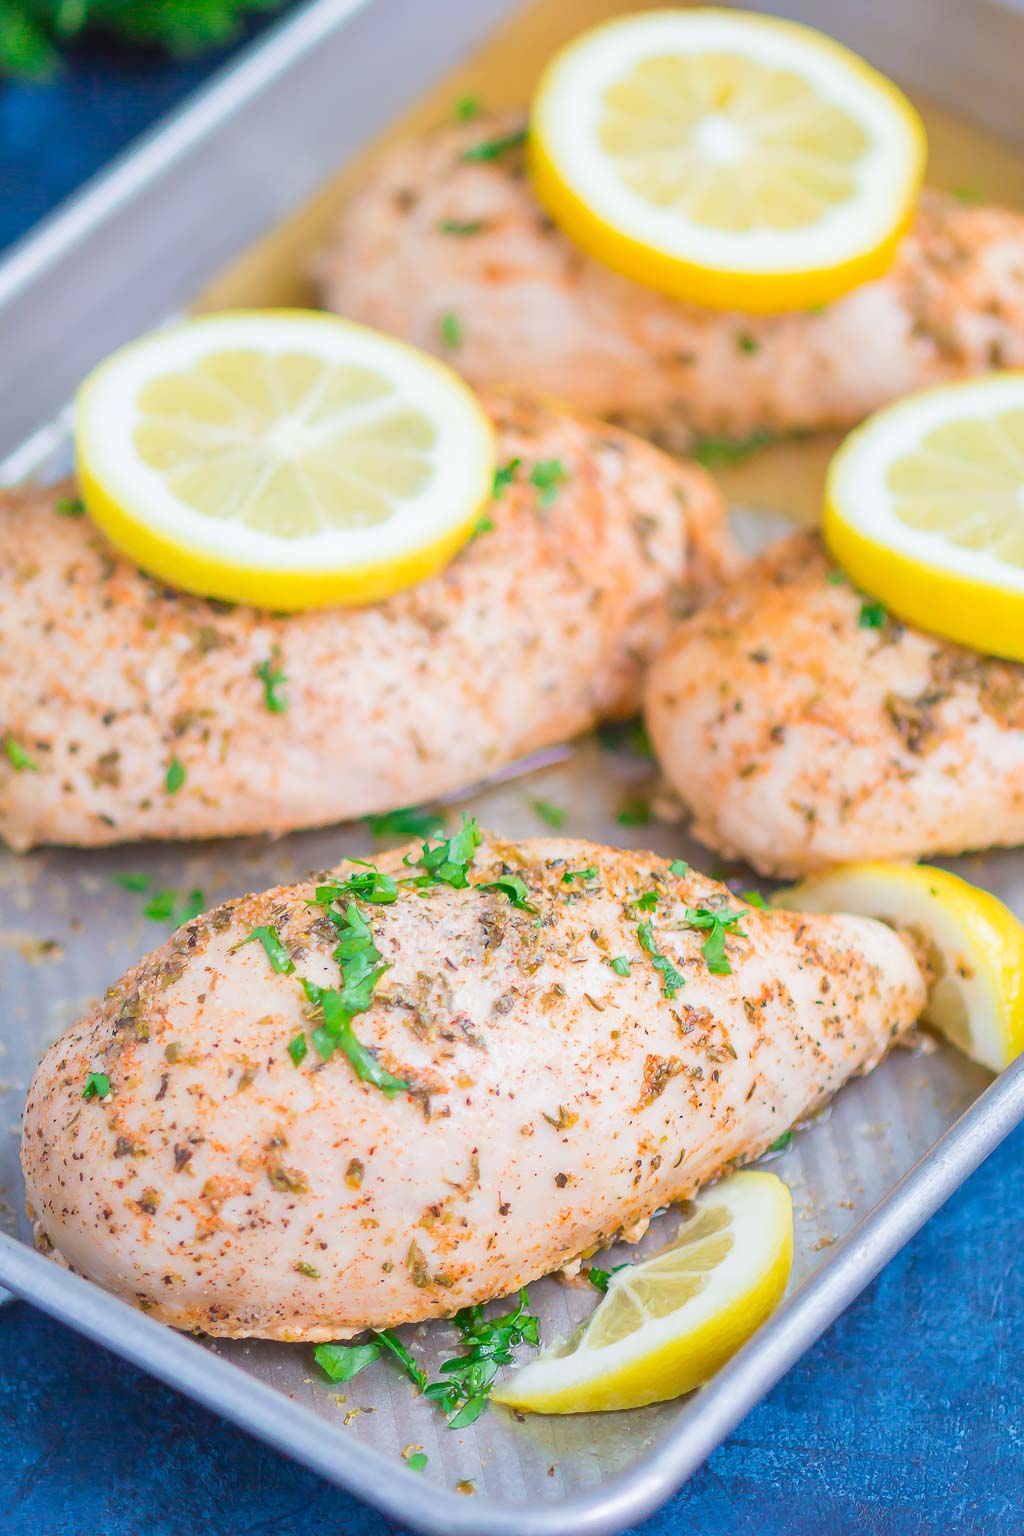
972	944
666	1325
924	508
735	160
282	458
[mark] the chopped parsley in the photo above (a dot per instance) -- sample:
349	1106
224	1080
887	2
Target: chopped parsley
504	476
359	959
514	888
417	1461
837	578
370	884
548	475
409	822
781	1142
130	882
599	1278
175	776
97	1086
272	678
553	815
297	1049
634	811
872	616
626	736
69	506
449	328
280	960
461	226
467	108
753	898
493	149
747	343
590	873
671	979
620	965
679	867
18	757
717	925
448	862
645	903
717	452
469	1377
343	1361
483	524
166	907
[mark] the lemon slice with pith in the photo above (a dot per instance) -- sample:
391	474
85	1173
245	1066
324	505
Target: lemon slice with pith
924	508
282	458
735	160
666	1325
972	945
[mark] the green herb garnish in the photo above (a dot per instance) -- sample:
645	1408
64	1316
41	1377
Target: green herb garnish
553	815
753	898
514	888
97	1086
371	884
32	32
297	1049
448	861
634	811
449	328
747	343
548	476
483	524
781	1142
129	882
18	757
469	1377
504	476
599	1278
671	979
679	867
417	1461
590	873
272	678
69	506
461	226
165	907
872	616
175	776
493	149
717	925
343	1361
280	959
717	452
645	903
620	965
410	822
626	736
467	108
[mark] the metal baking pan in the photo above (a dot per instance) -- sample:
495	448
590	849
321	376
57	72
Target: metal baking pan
124	256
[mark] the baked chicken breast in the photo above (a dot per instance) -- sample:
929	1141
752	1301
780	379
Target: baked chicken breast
432	233
555	1039
132	711
804	726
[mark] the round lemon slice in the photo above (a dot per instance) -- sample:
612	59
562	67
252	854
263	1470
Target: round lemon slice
972	944
666	1325
731	159
282	458
924	508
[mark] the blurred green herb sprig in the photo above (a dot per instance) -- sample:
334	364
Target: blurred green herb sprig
32	32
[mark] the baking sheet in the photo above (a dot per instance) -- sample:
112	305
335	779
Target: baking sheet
66	930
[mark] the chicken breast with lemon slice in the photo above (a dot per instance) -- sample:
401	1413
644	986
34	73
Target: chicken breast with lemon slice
804	726
129	710
543	1064
432	234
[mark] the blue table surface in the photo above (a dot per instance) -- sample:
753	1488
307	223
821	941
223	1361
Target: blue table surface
905	1419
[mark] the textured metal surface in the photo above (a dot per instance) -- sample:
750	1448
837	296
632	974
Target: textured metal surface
66	929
